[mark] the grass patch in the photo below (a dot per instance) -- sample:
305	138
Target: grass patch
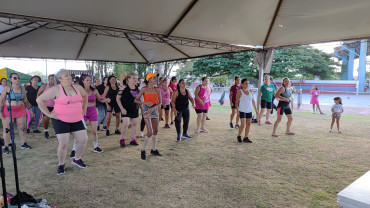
210	170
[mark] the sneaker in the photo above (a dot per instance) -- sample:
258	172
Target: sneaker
73	154
117	132
98	129
6	150
79	163
134	143
231	125
107	132
61	170
268	122
25	146
46	133
143	155
239	139
141	134
330	130
155	152
36	131
185	136
171	123
167	126
122	143
246	140
237	126
259	122
271	115
104	128
178	137
98	150
28	131
162	119
204	130
207	118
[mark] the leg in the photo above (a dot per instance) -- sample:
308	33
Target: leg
101	114
178	122
133	122
109	116
313	108
37	117
94	129
125	124
142	123
204	118
62	147
160	113
318	107
260	115
22	128
289	122
118	122
199	121
247	126
155	125
268	111
105	116
242	126
237	116
167	114
277	122
232	115
338	125
46	122
149	130
6	136
172	113
332	123
292	104
80	140
186	118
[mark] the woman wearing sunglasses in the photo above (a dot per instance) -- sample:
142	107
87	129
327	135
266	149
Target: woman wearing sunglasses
18	102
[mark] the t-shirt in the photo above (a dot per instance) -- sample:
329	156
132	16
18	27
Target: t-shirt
100	89
128	99
234	89
32	94
173	87
267	92
337	108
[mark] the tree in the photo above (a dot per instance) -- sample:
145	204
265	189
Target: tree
126	68
40	74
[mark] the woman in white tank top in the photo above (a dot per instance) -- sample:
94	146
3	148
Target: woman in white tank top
245	104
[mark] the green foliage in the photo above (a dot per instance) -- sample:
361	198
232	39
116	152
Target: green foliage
126	68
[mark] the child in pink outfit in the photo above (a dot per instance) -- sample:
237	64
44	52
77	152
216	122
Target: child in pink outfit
315	92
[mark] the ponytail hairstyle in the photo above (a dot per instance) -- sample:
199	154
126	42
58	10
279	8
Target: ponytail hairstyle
82	78
178	84
340	100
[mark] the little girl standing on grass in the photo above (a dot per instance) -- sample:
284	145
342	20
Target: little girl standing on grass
336	110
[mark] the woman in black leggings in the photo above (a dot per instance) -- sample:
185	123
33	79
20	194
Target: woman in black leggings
180	99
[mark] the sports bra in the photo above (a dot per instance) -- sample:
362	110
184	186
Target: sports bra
16	96
91	98
152	97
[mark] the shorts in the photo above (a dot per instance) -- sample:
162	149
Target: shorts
91	114
114	107
62	127
284	108
233	106
336	115
245	115
201	111
146	114
131	114
166	108
17	111
265	104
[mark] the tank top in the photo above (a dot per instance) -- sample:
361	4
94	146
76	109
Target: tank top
153	97
287	94
182	101
69	108
16	96
49	103
245	102
112	94
165	96
32	95
204	96
91	98
128	99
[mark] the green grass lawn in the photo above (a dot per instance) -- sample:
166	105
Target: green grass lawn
210	170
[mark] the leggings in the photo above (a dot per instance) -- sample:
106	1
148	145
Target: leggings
185	115
37	113
142	124
102	114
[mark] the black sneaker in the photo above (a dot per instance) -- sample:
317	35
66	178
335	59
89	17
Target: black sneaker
107	132
239	139
73	154
134	143
231	125
98	129
155	152
207	118
122	143
98	150
246	140
143	154
6	150
237	126
25	146
178	138
104	128
28	131
47	136
79	163
61	170
171	123
36	131
117	132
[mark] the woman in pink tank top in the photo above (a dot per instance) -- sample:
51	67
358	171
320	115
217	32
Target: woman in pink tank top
166	93
202	103
49	103
70	106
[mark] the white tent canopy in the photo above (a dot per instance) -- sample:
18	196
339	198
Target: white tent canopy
150	31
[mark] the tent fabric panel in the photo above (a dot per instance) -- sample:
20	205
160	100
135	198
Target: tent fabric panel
43	43
151	16
24	77
104	47
195	51
10	34
313	21
243	22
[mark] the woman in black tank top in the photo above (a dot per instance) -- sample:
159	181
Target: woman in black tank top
111	92
180	99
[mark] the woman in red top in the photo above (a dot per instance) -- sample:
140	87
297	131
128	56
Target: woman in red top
173	86
152	100
233	90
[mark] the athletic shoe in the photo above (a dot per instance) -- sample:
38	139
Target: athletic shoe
98	129
171	123
98	150
73	154
162	119
143	155
134	143
178	137
5	150
28	131
231	125
117	132
271	115
330	130
167	126
268	122
239	139
107	132
207	118
79	163
141	134
25	146
237	126
155	152
122	143
259	122
104	128
46	133
246	140
185	136
61	170
36	131
204	130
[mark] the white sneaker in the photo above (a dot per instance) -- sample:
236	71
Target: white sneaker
271	114
141	134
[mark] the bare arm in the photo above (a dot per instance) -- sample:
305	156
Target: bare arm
84	97
159	98
3	100
48	95
281	90
196	94
98	97
253	102
191	98
41	89
25	100
237	101
138	100
173	99
118	100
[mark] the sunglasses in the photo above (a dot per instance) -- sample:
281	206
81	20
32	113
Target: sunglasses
16	78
